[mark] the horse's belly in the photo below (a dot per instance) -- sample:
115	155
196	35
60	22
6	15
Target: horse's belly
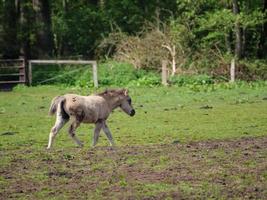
93	116
89	120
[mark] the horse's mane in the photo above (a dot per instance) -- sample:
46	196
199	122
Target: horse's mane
110	92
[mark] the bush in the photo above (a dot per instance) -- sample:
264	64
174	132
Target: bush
58	74
123	74
117	74
183	80
112	74
252	70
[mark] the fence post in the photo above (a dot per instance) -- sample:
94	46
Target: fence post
22	70
30	73
95	74
164	73
232	71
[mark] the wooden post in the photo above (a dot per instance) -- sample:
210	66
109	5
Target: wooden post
95	74
232	71
30	73
164	73
22	70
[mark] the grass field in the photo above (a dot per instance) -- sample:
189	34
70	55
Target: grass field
183	143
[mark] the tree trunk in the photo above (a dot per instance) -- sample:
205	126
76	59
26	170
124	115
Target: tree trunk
157	15
10	19
243	42
44	34
101	4
24	47
173	54
172	50
62	42
238	32
228	42
262	52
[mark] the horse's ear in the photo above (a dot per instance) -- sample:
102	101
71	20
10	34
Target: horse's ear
126	92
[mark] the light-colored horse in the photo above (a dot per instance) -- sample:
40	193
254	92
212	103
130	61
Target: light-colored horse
88	109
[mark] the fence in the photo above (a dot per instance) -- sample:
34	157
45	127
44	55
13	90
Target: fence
12	71
75	62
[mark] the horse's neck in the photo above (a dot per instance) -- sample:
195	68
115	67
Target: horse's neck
113	102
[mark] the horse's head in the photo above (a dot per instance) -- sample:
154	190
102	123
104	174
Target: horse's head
119	98
126	103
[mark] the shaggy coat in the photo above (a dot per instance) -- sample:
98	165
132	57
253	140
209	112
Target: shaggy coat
88	109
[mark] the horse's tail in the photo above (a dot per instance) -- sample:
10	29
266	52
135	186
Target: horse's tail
54	104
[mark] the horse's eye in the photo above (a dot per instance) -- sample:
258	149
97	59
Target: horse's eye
129	101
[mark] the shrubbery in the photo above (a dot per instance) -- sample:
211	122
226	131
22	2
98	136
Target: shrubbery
114	74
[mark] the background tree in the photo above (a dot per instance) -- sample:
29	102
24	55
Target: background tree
263	43
9	44
44	39
217	31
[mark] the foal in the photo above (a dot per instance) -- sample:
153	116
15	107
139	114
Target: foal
88	109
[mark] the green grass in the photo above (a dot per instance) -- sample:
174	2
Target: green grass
166	117
163	116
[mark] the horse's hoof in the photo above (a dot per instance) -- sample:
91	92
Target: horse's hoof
80	144
111	148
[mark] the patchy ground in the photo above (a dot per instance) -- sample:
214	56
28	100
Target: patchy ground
182	144
221	169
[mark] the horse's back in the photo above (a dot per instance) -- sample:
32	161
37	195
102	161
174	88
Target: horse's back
86	108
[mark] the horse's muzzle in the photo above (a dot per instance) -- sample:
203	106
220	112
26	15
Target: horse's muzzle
132	112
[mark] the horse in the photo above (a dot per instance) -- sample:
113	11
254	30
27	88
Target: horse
94	108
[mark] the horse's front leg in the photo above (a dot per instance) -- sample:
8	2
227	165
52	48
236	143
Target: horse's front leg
98	126
108	133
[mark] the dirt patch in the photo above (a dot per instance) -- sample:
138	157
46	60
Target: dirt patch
8	133
59	174
226	169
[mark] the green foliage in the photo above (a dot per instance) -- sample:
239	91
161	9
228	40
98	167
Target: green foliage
252	18
253	70
215	26
151	80
58	74
109	74
77	27
198	36
180	34
183	80
119	74
123	74
131	15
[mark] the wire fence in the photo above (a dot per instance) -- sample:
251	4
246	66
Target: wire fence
52	74
59	76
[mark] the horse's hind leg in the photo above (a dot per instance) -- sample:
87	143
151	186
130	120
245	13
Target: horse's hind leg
74	125
60	121
108	134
